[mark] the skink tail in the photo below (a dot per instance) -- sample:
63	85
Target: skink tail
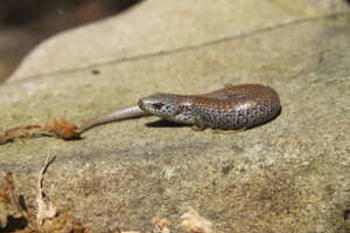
122	114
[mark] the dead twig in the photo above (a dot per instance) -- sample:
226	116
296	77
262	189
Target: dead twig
55	127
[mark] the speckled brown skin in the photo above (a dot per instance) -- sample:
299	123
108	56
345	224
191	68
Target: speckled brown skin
231	108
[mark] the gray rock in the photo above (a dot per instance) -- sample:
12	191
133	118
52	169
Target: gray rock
290	175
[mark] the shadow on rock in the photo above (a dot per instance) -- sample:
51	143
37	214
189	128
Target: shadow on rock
165	124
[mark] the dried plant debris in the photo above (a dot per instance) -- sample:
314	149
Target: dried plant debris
16	217
55	127
161	225
44	219
62	128
195	223
5	199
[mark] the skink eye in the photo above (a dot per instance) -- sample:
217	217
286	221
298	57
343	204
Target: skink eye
158	106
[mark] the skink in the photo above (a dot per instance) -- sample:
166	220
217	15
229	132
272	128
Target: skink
231	108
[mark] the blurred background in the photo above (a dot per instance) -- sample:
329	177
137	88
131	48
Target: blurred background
25	23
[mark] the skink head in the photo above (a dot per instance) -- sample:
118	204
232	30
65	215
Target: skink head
162	105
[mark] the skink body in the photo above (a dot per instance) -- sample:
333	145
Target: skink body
231	108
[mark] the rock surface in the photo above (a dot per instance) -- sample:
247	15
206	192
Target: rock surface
290	175
155	26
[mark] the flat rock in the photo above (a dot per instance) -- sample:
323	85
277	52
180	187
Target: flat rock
290	175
